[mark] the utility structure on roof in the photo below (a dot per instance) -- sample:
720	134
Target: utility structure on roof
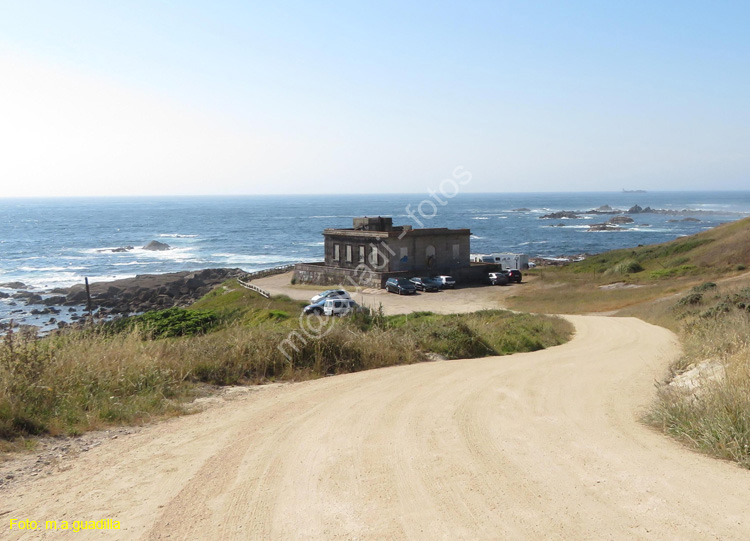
373	250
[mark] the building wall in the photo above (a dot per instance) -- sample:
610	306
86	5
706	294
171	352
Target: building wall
425	253
321	274
418	250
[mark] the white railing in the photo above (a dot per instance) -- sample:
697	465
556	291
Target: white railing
262	274
255	288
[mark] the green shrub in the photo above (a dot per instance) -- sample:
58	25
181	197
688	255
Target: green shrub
169	323
673	272
629	266
691	299
705	286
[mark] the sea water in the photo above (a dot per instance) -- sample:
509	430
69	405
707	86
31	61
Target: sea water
48	243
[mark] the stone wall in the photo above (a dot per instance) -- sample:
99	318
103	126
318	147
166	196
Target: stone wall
321	274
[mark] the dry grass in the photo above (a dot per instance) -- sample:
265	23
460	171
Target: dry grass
83	380
715	418
553	293
713	323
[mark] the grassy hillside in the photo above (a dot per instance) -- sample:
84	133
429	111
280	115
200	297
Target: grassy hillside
623	278
723	249
144	367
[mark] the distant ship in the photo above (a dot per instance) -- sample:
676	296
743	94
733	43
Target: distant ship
633	191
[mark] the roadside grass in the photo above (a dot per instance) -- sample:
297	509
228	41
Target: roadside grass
714	417
557	293
147	367
657	270
695	286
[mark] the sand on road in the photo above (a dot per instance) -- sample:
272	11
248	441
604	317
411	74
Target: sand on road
543	445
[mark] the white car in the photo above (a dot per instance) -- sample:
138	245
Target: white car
447	281
339	307
330	294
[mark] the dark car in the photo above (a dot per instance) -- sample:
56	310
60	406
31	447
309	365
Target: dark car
498	278
402	286
424	283
513	275
314	308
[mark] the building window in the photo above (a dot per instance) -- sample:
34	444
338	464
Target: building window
455	251
361	254
430	256
335	252
404	255
378	262
348	253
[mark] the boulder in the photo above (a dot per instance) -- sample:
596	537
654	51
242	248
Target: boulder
28	297
15	285
54	301
635	209
621	220
156	246
604	227
561	215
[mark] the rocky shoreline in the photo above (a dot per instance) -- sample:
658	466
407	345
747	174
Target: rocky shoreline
635	209
121	297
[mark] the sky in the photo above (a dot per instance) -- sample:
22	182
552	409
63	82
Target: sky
197	98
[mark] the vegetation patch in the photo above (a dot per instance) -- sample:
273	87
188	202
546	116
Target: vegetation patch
146	366
168	323
714	414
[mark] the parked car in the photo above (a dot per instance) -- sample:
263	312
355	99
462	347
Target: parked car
498	278
425	283
402	286
330	294
514	275
315	308
446	281
339	307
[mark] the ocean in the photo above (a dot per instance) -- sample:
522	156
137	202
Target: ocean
48	243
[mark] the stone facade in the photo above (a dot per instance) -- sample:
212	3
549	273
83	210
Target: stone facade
374	250
375	242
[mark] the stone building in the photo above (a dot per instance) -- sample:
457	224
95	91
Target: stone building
374	250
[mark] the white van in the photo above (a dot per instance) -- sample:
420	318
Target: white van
339	307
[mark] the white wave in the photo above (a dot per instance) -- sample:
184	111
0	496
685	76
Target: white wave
174	254
102	250
480	218
65	279
574	226
262	259
177	236
475	237
42	269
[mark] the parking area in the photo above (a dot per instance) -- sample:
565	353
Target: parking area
461	299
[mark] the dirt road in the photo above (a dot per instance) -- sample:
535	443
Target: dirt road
543	445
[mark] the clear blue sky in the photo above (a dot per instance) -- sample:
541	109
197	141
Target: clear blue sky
140	98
